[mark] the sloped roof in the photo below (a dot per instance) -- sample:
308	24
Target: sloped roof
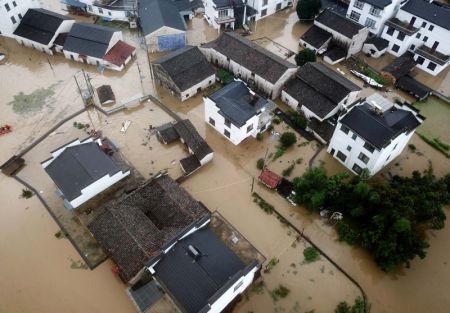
250	55
186	67
39	25
192	138
78	167
119	53
316	36
431	12
381	4
154	14
379	129
105	94
237	103
134	229
89	39
339	23
409	84
378	42
270	178
401	66
167	133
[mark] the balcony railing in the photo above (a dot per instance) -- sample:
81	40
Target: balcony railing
432	55
224	19
401	26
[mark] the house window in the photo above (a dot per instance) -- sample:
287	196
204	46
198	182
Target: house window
13	19
355	16
238	286
226	133
109	13
7	7
420	60
265	2
401	36
100	10
249	128
345	129
228	59
425	39
363	158
395	48
227	122
223	13
395	146
356	168
20	16
90	8
418	36
370	23
375	11
14	3
431	66
431	27
369	147
359	4
424	24
387	159
412	47
212	122
354	136
341	156
349	148
390	31
264	12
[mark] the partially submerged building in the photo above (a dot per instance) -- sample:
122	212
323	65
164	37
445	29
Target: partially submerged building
373	133
12	12
237	112
185	72
98	45
319	92
109	10
399	68
259	67
223	14
39	28
375	47
413	87
81	170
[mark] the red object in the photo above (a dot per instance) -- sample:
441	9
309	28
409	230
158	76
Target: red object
5	129
115	269
119	53
269	178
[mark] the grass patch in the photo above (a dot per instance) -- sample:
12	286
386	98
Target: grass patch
288	171
26	194
266	207
280	292
374	75
80	125
276	120
33	102
311	254
278	153
224	76
436	144
271	264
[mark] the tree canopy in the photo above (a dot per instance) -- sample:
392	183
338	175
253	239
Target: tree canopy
389	219
308	9
305	56
287	139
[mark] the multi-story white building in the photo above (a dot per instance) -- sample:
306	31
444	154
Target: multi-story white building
423	28
12	12
123	10
372	13
237	112
268	7
223	13
373	133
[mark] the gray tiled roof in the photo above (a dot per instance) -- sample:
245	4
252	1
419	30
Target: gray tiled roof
192	139
316	36
154	14
381	4
89	39
250	55
432	12
378	42
339	23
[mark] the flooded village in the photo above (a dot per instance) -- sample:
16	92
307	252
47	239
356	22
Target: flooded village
185	221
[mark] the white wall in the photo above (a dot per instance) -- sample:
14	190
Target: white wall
213	13
117	15
203	85
289	100
320	50
7	26
368	48
270	7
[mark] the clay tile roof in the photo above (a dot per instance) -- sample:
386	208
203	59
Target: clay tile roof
269	178
119	53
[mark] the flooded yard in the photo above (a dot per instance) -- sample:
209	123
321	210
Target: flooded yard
437	124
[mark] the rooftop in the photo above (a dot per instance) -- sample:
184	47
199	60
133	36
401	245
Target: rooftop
409	84
432	12
167	133
40	25
135	229
401	66
381	4
186	67
269	178
154	14
117	4
192	139
339	23
378	42
237	103
316	36
119	53
250	55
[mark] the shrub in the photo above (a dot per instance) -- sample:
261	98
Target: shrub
310	254
278	153
435	143
299	120
374	75
412	147
288	171
260	164
276	120
305	56
347	234
343	307
287	139
26	193
308	9
271	264
259	136
224	76
280	292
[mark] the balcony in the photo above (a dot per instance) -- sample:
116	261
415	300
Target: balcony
432	55
224	19
401	26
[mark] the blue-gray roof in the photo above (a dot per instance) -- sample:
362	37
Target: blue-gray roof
154	14
237	103
192	282
432	12
379	3
341	24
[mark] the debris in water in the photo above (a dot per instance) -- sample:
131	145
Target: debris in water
125	126
78	264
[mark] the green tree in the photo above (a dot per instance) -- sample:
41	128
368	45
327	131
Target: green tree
305	56
287	139
308	9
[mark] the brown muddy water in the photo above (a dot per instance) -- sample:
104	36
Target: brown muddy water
40	273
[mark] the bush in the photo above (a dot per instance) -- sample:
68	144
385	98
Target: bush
305	56
343	307
347	234
271	264
412	147
288	171
299	120
310	254
26	193
308	9
276	120
259	136
224	76
278	153
280	293
287	139
435	143
260	164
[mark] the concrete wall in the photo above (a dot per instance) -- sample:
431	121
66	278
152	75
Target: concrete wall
7	26
373	51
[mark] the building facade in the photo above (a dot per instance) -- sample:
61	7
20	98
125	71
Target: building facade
125	10
373	133
12	12
268	7
221	14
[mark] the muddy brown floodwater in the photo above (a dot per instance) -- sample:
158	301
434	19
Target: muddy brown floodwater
40	273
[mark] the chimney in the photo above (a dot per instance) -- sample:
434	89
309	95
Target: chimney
254	99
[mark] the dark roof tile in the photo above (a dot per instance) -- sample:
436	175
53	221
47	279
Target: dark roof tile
432	12
339	23
316	36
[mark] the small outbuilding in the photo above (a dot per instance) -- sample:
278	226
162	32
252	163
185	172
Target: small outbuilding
106	95
413	87
375	47
269	178
316	39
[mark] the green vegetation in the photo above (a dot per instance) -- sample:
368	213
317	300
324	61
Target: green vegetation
287	139
280	293
276	120
34	102
266	207
358	307
80	125
60	234
437	113
310	254
259	136
26	193
299	161
436	144
308	9
374	75
412	147
299	120
388	218
305	56
271	264
278	153
224	76
288	171
260	164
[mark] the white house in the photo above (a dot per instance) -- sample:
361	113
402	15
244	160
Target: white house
262	69
265	8
81	170
237	112
112	10
373	133
39	28
185	72
223	13
372	13
319	92
12	12
97	45
422	28
375	47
